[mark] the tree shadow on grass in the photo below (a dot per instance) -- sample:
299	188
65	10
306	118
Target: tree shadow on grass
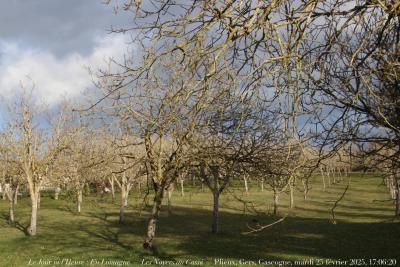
107	235
22	228
294	236
67	208
363	213
186	234
16	224
4	216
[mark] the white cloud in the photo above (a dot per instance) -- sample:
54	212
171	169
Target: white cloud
54	78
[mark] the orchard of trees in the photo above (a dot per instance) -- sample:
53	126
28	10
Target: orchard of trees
219	92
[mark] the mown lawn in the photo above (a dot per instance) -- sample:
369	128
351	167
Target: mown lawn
364	229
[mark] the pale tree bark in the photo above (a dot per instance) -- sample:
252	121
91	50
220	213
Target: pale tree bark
16	195
291	195
125	186
329	177
334	176
392	192
12	211
12	197
182	188
57	192
34	191
125	189
127	196
246	186
169	192
6	191
111	181
262	185
323	179
392	187
152	224
38	200
34	209
79	195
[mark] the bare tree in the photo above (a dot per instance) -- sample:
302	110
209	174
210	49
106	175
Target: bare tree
11	176
33	147
354	79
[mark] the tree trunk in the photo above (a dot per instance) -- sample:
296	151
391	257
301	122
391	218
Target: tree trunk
276	201
38	200
112	188
323	179
340	174
170	201
329	178
34	204
392	187
3	190
262	185
392	192
126	197
151	227
215	222
12	195
12	209
246	187
182	189
79	199
57	192
291	188
15	198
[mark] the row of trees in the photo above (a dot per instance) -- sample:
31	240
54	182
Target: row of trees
225	90
326	71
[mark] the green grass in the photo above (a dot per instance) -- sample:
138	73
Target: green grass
365	228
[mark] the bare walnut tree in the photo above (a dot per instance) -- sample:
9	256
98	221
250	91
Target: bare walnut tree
34	148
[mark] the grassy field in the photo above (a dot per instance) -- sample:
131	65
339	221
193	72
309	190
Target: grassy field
365	229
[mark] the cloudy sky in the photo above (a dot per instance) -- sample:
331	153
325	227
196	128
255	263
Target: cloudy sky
53	42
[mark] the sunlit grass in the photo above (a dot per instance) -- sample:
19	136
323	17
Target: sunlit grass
365	227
